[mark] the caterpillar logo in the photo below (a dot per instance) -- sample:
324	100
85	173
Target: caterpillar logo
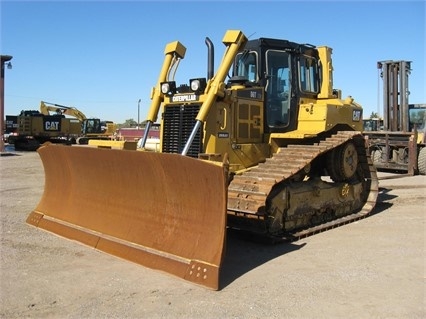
185	98
52	125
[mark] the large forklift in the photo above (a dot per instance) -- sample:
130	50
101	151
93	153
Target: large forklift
399	145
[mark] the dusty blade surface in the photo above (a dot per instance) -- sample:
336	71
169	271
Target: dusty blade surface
164	211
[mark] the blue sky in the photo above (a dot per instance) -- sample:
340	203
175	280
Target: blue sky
103	56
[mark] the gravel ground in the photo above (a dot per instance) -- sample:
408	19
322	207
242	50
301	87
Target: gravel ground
373	268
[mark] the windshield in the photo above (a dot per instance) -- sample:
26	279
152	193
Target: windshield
417	116
247	66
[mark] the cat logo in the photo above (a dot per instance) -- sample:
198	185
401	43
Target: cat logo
51	126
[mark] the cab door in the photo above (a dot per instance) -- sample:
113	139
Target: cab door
278	91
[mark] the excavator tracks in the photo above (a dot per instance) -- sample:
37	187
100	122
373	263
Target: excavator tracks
248	192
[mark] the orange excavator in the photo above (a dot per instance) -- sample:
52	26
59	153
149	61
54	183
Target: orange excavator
264	145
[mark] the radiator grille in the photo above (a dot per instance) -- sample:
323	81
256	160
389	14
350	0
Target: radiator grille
178	123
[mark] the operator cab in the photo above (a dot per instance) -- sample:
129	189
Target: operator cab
288	72
91	126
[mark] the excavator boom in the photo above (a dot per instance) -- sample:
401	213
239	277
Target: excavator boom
46	108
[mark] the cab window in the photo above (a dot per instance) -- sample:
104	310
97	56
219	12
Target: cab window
247	66
278	88
308	75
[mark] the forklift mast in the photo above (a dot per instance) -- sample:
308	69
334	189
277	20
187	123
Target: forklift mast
395	94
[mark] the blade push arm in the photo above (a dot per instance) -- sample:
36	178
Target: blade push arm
174	51
234	40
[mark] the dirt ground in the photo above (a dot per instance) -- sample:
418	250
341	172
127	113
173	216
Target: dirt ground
373	268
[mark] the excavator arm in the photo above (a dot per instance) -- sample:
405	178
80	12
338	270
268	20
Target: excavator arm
46	108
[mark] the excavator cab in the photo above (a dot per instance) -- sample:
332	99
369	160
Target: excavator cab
91	126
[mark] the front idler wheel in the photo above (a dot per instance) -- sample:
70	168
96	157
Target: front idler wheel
342	162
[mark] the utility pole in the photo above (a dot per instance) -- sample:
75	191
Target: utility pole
4	59
139	105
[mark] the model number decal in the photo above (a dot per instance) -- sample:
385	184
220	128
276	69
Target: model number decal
223	135
253	94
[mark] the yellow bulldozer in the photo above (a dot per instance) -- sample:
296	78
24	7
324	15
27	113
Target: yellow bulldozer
264	146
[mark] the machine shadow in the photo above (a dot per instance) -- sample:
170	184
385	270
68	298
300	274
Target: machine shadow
383	199
243	254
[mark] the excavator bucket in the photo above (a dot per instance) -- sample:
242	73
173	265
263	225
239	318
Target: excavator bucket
163	211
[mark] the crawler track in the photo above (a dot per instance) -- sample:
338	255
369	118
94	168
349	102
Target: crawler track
247	193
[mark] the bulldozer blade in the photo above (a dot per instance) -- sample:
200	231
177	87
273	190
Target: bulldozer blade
163	211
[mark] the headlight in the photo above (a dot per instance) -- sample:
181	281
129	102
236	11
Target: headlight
168	88
197	85
165	87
